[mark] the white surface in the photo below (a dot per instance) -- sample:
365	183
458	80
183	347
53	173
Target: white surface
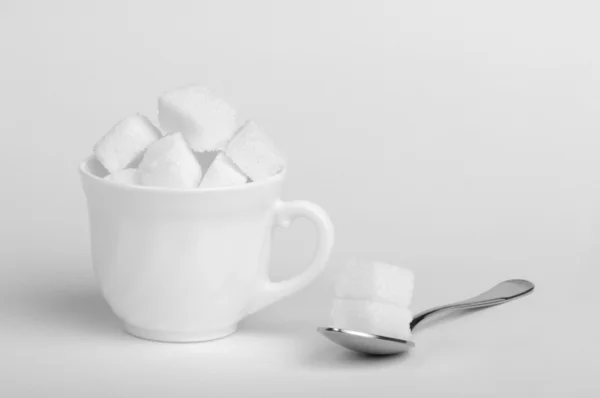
458	138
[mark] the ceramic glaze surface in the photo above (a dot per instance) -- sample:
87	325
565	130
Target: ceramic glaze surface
188	265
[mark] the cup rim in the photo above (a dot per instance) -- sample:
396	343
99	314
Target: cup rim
84	171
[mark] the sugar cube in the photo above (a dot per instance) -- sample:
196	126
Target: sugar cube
222	173
206	121
372	317
125	176
375	281
125	142
254	152
169	162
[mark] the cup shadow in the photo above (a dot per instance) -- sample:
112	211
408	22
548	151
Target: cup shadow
288	317
80	309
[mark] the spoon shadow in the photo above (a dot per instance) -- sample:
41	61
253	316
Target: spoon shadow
324	354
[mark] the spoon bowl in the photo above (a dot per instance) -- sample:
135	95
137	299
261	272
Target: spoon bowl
366	343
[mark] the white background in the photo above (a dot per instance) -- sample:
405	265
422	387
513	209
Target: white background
457	138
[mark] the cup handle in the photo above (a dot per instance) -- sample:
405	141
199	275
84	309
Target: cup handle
285	212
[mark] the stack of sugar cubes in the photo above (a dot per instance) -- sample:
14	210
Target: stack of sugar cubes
194	125
373	297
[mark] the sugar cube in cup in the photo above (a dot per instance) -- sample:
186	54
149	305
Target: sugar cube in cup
125	142
200	134
376	281
170	163
372	317
125	176
254	152
222	173
206	121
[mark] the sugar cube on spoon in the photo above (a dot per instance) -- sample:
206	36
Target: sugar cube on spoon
373	297
372	317
376	281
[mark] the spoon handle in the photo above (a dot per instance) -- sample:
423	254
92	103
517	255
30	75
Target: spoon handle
502	293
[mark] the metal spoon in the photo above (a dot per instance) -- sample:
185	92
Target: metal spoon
374	344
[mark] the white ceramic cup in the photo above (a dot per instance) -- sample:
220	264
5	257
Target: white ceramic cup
187	265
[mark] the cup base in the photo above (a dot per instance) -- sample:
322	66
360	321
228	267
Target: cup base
178	337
